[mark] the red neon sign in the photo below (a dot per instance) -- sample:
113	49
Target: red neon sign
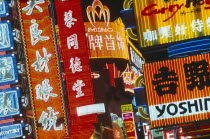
74	53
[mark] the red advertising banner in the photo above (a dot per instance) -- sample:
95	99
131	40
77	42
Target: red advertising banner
43	69
128	119
75	57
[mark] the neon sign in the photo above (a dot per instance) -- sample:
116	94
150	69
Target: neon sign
172	21
174	8
4	8
77	76
6	39
104	11
105	39
8	69
9	102
43	69
11	131
179	90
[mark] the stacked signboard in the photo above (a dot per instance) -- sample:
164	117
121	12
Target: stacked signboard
177	87
14	98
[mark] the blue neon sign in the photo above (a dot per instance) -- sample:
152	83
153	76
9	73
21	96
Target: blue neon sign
6	38
11	131
9	102
8	69
4	8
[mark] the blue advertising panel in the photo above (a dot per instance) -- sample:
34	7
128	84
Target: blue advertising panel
9	102
11	131
140	96
6	38
8	69
4	8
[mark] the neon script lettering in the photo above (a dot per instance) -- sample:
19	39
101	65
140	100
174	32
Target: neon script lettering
152	10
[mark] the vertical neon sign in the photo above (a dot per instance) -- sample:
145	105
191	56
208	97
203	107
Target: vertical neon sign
43	69
74	53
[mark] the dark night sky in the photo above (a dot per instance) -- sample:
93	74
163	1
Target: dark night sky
115	6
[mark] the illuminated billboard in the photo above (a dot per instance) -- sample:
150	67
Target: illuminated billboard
161	21
76	68
178	90
43	70
127	108
128	119
105	39
136	58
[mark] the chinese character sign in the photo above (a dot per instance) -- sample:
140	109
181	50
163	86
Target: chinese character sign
178	90
48	120
8	69
9	104
6	38
171	21
105	39
43	69
75	57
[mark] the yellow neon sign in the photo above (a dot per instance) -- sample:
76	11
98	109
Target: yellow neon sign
159	22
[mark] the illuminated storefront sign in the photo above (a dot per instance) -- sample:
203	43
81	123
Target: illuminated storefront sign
147	131
127	108
177	90
156	134
9	102
75	57
43	69
175	133
6	38
128	119
8	69
136	59
11	131
171	21
105	39
4	8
